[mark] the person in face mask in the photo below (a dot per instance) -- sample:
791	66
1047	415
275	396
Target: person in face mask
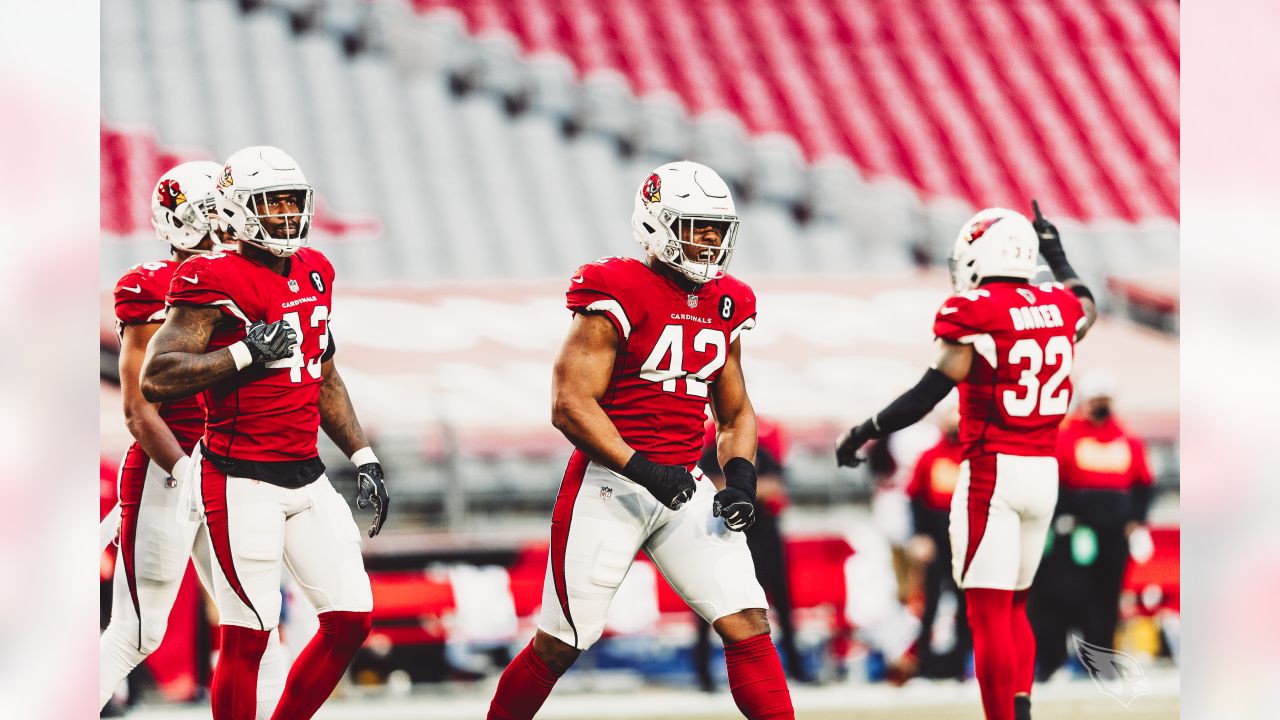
1105	489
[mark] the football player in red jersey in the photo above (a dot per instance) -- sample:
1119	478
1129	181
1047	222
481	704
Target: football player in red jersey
155	542
248	331
650	344
1008	344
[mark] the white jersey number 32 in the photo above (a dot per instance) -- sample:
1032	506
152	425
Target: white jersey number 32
1051	398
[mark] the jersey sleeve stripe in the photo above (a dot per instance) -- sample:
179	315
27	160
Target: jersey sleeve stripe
984	345
614	308
742	327
227	305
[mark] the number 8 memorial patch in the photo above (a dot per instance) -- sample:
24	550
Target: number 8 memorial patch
726	307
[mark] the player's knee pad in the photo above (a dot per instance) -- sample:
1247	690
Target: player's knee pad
152	633
161	558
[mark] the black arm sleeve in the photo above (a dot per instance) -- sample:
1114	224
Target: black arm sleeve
912	405
740	473
329	351
1056	258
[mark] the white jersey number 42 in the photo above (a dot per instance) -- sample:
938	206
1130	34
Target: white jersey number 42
671	342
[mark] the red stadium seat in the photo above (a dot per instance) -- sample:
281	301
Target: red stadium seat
1074	103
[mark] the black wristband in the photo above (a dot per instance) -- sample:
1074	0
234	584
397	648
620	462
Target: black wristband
741	474
912	405
640	469
1082	292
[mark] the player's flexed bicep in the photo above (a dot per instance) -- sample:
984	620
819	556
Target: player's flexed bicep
579	381
178	366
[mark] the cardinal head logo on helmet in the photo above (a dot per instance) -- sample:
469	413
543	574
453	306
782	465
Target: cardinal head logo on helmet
652	190
169	194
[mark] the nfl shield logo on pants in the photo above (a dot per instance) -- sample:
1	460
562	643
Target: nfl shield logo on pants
693	300
606	492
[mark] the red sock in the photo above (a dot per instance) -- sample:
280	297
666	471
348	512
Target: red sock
523	687
1024	644
234	690
321	664
756	680
993	649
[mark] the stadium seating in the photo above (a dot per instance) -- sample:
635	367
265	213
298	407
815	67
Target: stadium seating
988	102
481	140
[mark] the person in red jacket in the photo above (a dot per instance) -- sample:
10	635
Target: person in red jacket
932	484
1104	494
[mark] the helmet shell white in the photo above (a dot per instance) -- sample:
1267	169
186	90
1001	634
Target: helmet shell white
679	193
996	242
181	203
248	178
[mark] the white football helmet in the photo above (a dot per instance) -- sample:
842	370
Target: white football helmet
672	200
252	181
181	204
994	243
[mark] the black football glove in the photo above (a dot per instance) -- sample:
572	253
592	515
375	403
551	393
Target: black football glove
268	342
373	492
851	442
736	503
1050	240
672	485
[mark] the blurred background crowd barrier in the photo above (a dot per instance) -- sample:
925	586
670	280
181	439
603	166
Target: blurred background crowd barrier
468	156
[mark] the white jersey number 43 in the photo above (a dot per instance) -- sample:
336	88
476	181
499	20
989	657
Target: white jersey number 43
295	363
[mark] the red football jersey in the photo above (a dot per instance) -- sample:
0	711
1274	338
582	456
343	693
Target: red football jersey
269	412
1100	456
139	297
672	344
1019	387
934	479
